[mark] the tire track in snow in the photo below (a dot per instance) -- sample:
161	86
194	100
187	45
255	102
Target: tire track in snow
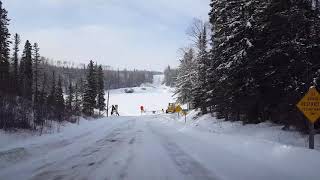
90	158
123	174
124	170
188	166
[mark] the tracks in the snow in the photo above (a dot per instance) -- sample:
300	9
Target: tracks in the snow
134	149
90	158
186	165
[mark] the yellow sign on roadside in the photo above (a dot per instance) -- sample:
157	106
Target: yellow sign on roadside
178	109
310	105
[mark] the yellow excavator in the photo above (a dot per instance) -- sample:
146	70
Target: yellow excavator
171	108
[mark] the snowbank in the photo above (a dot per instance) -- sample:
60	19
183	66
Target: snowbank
22	145
263	131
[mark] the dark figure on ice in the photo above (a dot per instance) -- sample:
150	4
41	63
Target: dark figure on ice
114	110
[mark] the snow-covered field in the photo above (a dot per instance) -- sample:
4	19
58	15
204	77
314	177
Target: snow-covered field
158	147
154	97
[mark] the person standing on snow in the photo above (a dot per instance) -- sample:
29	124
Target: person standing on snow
142	109
114	110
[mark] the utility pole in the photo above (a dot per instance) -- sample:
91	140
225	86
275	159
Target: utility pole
108	101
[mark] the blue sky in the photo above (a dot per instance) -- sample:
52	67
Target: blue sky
142	34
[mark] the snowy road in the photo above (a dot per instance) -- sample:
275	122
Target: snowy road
149	147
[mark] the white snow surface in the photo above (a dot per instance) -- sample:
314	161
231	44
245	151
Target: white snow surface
158	147
153	147
154	97
263	131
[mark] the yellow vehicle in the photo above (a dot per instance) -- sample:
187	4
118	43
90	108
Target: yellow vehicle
171	108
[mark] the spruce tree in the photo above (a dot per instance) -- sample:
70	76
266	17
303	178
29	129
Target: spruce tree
101	105
229	44
218	15
70	98
95	82
36	83
89	98
4	49
202	64
77	100
43	93
186	79
288	59
41	106
27	75
21	77
52	98
81	91
36	71
15	63
59	101
262	62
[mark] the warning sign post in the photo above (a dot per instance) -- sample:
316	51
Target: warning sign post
309	105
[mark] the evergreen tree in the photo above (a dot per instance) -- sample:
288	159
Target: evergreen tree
227	19
70	98
36	73
4	49
59	101
21	77
261	61
288	58
77	100
202	64
43	93
186	79
41	113
27	74
15	63
89	98
52	98
95	82
81	91
101	105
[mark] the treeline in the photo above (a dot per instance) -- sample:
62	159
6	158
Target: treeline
259	61
32	97
35	93
125	78
114	79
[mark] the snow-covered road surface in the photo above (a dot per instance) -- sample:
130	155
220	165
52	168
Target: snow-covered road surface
152	148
